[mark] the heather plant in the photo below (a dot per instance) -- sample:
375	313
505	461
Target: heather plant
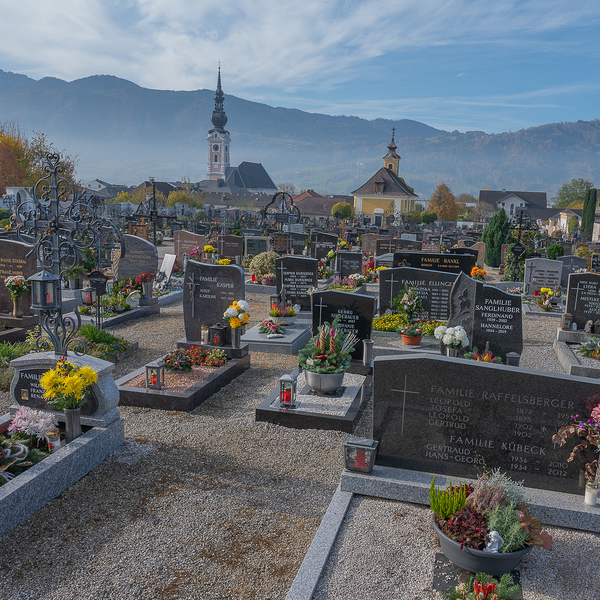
445	503
495	488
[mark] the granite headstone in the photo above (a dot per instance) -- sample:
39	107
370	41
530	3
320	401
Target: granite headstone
583	297
230	246
541	273
140	256
455	417
297	242
570	264
349	263
14	261
356	312
450	263
184	242
322	243
256	245
281	242
297	274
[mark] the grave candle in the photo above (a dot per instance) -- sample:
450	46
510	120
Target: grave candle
253	277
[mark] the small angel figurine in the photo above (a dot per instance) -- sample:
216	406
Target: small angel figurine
494	542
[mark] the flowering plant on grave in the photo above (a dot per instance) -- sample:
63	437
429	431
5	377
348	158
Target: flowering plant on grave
408	303
282	311
588	433
413	330
196	253
269	326
485	356
591	348
545	295
224	261
328	351
66	385
323	272
357	277
482	587
17	286
478	274
237	314
145	277
331	255
178	360
208	249
453	337
32	423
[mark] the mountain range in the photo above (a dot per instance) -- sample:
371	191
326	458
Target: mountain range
124	133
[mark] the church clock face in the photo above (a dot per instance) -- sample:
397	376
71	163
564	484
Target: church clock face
215	148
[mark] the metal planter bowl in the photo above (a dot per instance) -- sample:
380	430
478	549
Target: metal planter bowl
324	383
478	561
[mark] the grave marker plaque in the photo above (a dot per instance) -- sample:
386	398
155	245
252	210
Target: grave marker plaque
297	274
322	243
488	314
184	242
432	286
208	290
230	246
583	297
541	273
349	263
14	261
140	256
368	242
355	312
595	262
139	230
256	245
297	242
449	263
431	248
449	416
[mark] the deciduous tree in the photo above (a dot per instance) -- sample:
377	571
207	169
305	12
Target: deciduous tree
443	202
343	209
572	192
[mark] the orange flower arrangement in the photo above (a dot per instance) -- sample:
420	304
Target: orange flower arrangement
479	274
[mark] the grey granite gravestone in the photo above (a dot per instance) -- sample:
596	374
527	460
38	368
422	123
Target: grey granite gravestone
14	261
184	242
432	286
450	263
230	246
570	264
542	273
456	417
140	256
322	243
255	245
356	312
583	297
349	263
488	314
297	274
297	242
208	290
431	248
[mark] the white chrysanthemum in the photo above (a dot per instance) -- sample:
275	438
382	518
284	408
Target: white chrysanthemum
243	305
231	312
439	332
447	339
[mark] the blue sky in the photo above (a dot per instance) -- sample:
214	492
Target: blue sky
455	64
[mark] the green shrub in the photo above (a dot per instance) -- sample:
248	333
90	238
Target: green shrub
494	235
6	376
582	252
554	251
263	264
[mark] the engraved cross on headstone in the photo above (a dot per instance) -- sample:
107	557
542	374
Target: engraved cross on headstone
282	269
192	285
321	307
577	290
392	287
404	392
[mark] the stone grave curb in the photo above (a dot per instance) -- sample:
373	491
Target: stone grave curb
573	337
128	315
286	345
307	578
33	489
253	288
528	311
553	508
171	297
571	366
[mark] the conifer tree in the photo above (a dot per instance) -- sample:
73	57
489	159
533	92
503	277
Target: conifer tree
589	211
494	235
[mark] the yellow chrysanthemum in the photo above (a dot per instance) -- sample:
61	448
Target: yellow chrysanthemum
235	322
49	380
88	375
74	386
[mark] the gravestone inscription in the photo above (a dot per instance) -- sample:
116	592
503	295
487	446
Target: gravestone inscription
256	245
369	242
322	243
297	274
297	242
14	261
230	246
140	256
449	416
595	262
541	273
488	314
570	264
433	288
450	263
349	263
184	242
583	297
355	311
208	290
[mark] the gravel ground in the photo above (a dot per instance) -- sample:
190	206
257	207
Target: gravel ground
212	505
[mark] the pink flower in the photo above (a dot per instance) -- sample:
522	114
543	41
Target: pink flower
317	343
332	332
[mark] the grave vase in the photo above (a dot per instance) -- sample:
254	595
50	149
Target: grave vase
452	352
236	334
18	307
147	289
591	493
72	424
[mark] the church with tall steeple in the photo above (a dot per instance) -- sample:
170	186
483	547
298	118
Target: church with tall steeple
247	177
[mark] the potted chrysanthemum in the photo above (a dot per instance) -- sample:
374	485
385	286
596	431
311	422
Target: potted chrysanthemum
237	316
453	338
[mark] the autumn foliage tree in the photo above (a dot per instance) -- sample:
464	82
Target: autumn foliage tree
343	209
443	202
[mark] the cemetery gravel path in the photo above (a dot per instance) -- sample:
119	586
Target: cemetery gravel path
211	505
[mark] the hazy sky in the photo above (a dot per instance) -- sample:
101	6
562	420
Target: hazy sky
454	64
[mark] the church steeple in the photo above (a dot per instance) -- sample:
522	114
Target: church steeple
218	138
391	160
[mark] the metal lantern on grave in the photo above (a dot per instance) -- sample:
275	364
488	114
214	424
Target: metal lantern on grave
155	375
45	289
274	301
359	454
287	391
88	296
217	335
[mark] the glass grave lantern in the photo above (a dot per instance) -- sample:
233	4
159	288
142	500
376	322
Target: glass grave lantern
217	335
274	301
155	375
88	296
44	291
287	391
566	322
359	454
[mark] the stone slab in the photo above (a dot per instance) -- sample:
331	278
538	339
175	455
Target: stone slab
449	263
570	362
7	320
140	256
553	508
297	274
33	489
340	412
573	337
184	242
570	263
295	337
583	297
183	401
542	273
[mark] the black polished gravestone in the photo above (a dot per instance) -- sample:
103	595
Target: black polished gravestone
14	260
433	288
356	312
208	290
297	242
463	250
140	256
456	417
256	245
296	274
230	246
322	243
595	263
349	263
396	245
488	315
583	297
449	263
29	392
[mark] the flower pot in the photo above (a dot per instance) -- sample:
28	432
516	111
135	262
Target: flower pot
453	352
411	340
478	561
236	334
147	289
324	383
18	307
72	423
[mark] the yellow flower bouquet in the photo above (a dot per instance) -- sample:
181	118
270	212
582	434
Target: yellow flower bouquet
237	314
208	249
66	385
